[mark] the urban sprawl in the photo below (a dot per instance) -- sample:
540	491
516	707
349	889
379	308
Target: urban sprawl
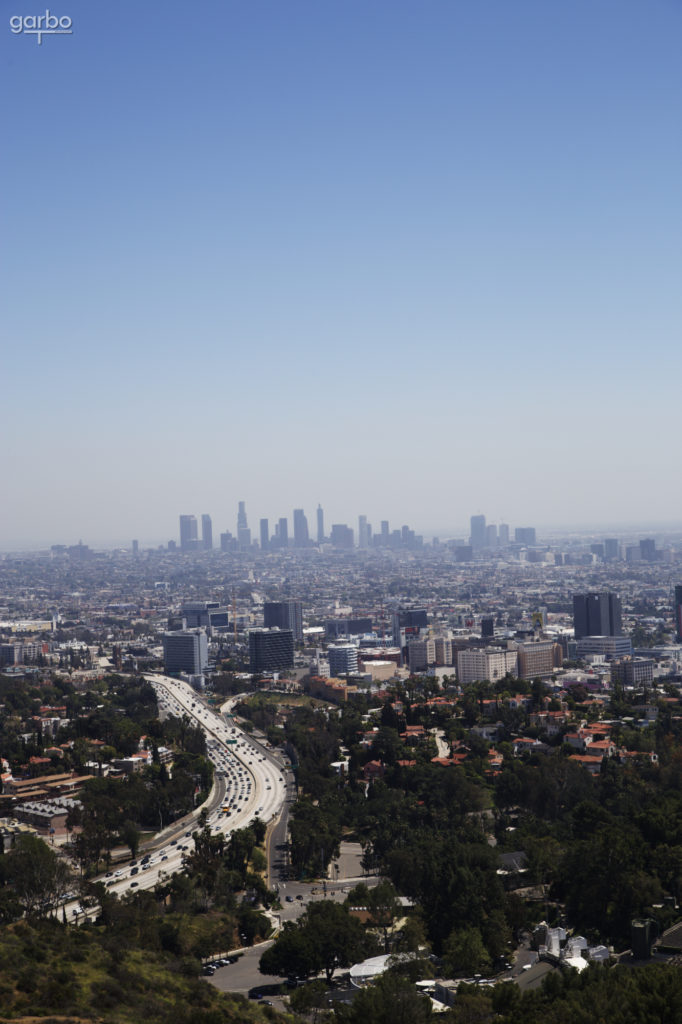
341	771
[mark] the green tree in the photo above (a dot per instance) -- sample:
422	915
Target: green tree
36	875
310	1000
390	1000
325	938
291	954
465	952
130	835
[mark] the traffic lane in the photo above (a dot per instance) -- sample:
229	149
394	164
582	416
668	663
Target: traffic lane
309	892
262	801
168	854
214	724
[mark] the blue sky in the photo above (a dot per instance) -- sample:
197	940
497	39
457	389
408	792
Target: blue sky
416	260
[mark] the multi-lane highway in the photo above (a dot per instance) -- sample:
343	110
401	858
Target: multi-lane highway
249	784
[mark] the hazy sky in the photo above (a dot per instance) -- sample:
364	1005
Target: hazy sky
413	259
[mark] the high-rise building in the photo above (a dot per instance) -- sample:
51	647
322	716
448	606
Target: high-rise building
207	533
264	535
136	547
270	649
341	536
484	664
487	626
188	533
343	658
320	524
678	612
524	535
301	537
363	535
647	550
443	650
611	549
597	614
385	533
538	659
477	532
185	651
491	536
243	531
421	654
202	613
283	532
284	615
503	535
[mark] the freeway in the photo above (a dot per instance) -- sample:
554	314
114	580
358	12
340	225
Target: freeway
249	784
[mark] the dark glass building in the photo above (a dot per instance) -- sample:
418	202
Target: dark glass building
597	614
271	650
284	615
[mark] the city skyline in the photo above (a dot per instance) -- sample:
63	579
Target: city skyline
437	245
545	533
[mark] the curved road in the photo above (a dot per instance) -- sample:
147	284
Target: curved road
249	784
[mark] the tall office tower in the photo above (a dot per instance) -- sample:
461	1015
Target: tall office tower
343	658
301	537
385	533
243	531
524	535
188	533
491	536
320	525
264	535
647	550
538	659
487	626
477	532
678	612
597	614
503	535
185	651
207	533
270	649
284	615
341	536
136	547
363	536
283	532
611	549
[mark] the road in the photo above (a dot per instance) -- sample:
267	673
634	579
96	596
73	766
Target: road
249	784
277	838
244	975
